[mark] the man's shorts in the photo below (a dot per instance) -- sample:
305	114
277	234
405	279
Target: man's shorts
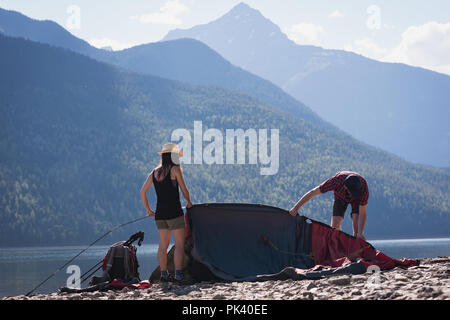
171	224
339	208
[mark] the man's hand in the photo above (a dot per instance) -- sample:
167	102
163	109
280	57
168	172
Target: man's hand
360	236
293	212
189	205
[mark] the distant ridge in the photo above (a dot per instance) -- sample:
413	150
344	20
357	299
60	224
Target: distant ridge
184	60
392	106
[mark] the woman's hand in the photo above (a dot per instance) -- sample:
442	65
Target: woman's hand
150	212
189	205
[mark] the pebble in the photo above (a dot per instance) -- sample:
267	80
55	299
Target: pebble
340	281
311	285
358	278
356	292
399	277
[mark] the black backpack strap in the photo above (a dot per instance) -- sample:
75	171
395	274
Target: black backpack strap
138	235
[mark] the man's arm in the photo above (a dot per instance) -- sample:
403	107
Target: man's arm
361	222
304	199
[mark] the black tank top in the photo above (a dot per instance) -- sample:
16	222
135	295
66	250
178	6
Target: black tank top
168	205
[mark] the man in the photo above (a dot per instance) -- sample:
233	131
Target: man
349	188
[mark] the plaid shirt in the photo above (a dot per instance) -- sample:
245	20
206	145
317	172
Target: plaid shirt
336	183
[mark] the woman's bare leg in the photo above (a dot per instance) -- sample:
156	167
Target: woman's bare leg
164	241
178	236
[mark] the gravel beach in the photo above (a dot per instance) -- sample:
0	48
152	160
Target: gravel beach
428	281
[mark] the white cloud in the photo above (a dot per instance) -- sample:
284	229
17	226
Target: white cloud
168	14
305	33
336	14
113	44
368	48
427	46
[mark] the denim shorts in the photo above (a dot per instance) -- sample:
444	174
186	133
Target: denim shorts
171	224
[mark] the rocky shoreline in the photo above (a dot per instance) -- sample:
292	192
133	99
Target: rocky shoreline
428	281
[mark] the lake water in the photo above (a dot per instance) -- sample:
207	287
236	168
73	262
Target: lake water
22	269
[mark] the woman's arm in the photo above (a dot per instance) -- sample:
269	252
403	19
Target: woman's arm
148	183
180	179
306	197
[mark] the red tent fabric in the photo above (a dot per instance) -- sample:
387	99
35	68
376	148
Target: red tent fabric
333	248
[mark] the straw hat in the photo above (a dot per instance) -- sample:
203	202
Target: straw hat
171	148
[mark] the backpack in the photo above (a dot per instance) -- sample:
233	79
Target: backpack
120	262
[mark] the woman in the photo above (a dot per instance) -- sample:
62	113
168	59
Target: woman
169	216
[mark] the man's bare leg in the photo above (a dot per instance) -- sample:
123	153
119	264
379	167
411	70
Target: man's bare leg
336	222
355	219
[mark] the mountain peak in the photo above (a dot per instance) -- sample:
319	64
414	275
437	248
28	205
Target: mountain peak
243	10
238	26
245	22
238	35
242	6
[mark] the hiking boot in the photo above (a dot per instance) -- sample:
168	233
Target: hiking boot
181	281
178	278
164	276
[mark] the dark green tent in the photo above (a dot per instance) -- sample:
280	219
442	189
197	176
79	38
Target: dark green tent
250	242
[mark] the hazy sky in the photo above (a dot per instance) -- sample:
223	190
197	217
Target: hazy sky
413	32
